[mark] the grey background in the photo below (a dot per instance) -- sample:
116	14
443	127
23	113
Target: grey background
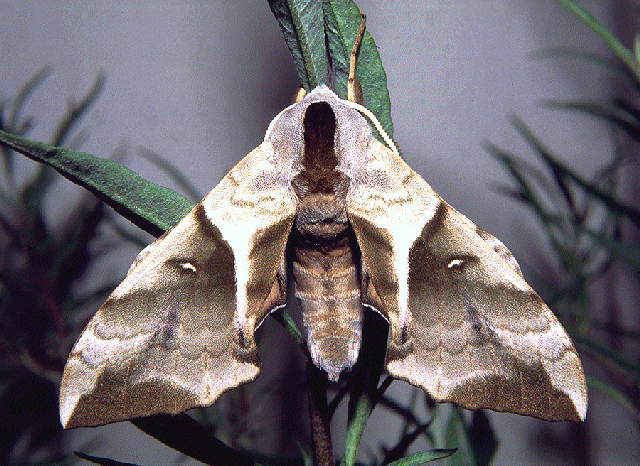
198	82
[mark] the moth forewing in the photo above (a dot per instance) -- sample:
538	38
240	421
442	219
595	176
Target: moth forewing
491	341
179	330
465	326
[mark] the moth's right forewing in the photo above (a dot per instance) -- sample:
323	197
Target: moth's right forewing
179	330
465	326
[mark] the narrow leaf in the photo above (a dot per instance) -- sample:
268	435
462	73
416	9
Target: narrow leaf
34	192
454	435
596	26
396	408
610	65
355	428
366	374
13	121
174	173
424	457
76	111
481	438
303	29
622	250
608	354
70	258
611	202
525	188
184	434
616	395
617	114
283	317
397	452
151	207
101	461
307	458
342	21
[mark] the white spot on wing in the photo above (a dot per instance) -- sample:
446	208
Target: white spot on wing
455	263
188	266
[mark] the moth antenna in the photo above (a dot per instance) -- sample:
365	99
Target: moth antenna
354	89
369	114
299	95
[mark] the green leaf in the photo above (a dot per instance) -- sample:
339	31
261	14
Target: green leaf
619	113
423	457
454	436
614	330
283	317
75	111
481	438
608	354
406	440
622	250
13	123
70	257
174	173
342	21
622	399
101	461
303	28
151	207
399	410
554	164
476	440
626	55
33	193
612	66
355	428
307	458
526	189
304	25
184	434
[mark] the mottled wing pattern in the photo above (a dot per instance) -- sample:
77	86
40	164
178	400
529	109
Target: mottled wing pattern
179	330
465	326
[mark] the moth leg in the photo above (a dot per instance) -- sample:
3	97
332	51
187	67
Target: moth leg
354	89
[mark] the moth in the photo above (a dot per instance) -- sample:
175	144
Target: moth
362	230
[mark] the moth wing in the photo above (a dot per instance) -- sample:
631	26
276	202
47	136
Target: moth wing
179	330
465	326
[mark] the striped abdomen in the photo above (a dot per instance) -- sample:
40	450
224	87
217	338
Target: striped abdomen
327	285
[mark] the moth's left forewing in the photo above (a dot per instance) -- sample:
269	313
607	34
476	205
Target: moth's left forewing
465	326
179	330
158	342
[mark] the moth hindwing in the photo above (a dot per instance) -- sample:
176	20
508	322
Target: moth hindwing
364	229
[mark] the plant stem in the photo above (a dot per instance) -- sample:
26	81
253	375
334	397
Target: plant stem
319	417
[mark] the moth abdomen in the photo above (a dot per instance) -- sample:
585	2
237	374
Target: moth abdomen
328	287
